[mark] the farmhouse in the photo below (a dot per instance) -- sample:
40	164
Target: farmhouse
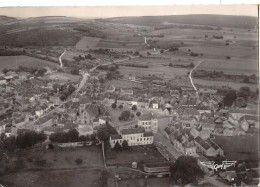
135	136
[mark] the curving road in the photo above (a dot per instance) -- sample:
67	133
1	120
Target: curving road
61	64
190	76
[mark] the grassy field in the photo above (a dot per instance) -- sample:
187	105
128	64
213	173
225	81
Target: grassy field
79	178
63	77
232	66
137	154
156	66
46	168
87	43
239	147
123	84
16	61
152	182
234	85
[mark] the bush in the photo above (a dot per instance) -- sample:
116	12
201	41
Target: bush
228	57
113	105
120	106
138	113
170	64
125	115
134	107
79	161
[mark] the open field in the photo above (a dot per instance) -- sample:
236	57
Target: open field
14	62
63	77
156	66
239	147
44	36
57	159
233	85
232	66
137	154
152	182
69	178
123	84
47	168
87	43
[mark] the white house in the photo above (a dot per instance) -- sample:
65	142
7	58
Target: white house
135	136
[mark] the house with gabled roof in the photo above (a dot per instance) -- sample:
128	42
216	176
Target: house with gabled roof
208	147
142	102
184	142
149	122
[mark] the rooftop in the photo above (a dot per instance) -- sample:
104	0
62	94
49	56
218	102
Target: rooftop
116	137
133	131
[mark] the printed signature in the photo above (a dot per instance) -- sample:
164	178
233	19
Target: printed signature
212	165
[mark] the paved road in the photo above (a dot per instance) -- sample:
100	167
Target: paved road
190	76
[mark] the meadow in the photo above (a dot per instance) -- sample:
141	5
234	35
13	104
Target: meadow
56	167
87	43
234	85
239	147
14	62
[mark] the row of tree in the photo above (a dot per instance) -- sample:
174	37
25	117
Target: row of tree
39	72
24	140
63	137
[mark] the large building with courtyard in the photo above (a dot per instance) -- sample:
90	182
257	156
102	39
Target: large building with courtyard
134	136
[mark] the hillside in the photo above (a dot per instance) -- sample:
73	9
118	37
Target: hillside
246	22
6	19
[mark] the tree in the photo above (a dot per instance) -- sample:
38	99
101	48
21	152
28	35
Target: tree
117	146
73	135
5	71
228	57
170	64
109	75
161	51
134	107
244	92
125	145
148	53
120	106
229	98
71	89
79	161
186	170
75	71
138	113
125	115
104	131
206	36
29	138
113	105
246	79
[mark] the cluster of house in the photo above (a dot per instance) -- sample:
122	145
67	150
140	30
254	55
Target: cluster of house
141	134
192	128
24	98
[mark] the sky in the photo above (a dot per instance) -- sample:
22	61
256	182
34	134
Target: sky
123	11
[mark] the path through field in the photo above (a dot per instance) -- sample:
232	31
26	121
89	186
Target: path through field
190	76
61	64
